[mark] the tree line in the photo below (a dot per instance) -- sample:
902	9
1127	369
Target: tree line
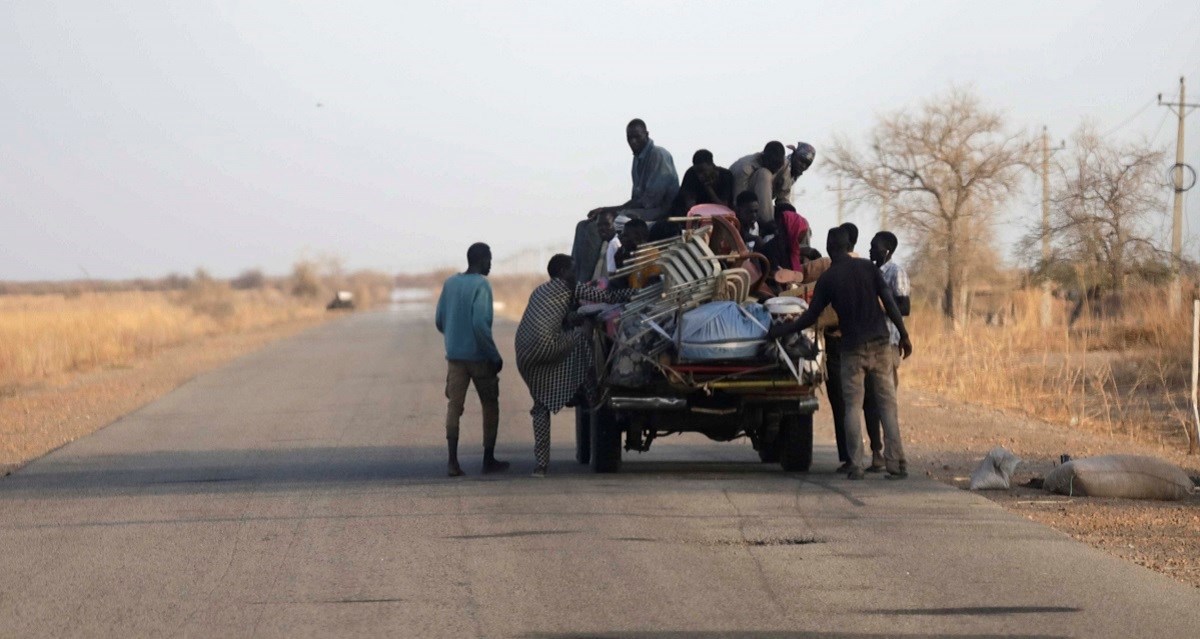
943	172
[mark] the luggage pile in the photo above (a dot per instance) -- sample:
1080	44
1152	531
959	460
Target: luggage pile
704	309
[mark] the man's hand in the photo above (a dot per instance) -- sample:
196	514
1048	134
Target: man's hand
499	364
906	348
778	330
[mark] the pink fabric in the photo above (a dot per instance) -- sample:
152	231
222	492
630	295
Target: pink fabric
709	210
793	225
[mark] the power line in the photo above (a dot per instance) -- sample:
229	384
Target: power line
1131	118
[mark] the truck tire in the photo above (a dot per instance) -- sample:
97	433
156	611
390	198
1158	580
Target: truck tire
770	440
796	443
583	435
770	453
606	440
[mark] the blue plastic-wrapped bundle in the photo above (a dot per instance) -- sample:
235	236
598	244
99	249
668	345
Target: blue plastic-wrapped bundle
722	331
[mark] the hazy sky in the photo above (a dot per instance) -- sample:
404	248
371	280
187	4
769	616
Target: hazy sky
142	138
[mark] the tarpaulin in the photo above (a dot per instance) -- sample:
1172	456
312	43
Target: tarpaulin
722	331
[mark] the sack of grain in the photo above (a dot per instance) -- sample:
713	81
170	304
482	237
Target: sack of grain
1123	476
995	471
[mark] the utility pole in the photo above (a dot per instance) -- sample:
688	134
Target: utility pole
841	203
885	205
1175	300
1046	151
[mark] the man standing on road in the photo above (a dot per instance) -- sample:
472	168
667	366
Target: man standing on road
655	181
833	376
464	318
554	355
756	173
883	247
856	289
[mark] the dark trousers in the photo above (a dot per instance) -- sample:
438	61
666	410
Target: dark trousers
874	361
833	389
872	418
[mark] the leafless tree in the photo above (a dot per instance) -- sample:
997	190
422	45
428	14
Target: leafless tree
1101	208
943	171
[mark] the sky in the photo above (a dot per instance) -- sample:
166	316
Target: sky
145	138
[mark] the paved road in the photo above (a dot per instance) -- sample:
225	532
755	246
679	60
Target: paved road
299	491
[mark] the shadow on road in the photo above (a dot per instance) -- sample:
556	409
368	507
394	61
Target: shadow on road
335	468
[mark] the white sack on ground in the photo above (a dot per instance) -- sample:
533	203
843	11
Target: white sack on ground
1124	476
995	471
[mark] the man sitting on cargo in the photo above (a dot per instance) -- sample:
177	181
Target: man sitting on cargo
856	289
635	234
747	210
655	181
756	173
703	183
590	250
799	160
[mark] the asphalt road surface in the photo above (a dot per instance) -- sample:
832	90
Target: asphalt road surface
301	491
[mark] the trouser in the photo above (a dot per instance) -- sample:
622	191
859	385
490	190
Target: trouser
833	389
649	215
875	361
460	374
541	435
871	418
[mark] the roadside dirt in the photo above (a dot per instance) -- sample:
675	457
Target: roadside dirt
36	419
946	440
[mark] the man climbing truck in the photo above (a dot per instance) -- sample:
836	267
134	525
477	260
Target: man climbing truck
689	353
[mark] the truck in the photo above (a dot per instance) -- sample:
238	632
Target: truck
726	390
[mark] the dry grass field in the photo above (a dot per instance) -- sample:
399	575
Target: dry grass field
46	335
1127	375
76	356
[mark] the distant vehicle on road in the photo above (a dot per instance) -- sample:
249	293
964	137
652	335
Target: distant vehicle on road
343	300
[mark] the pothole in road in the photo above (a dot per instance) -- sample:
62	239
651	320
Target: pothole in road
744	543
770	541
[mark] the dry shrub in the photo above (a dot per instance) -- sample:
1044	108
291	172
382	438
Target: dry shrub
207	296
306	281
1126	374
46	335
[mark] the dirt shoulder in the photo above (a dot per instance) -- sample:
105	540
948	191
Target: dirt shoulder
946	440
36	419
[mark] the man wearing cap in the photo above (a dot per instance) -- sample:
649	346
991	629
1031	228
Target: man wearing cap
756	173
798	162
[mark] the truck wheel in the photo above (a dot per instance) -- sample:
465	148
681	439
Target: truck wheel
583	435
770	441
796	443
606	440
770	453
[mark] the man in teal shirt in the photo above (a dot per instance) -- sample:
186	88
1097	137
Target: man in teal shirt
464	317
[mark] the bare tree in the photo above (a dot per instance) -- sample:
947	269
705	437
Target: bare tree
1101	208
944	171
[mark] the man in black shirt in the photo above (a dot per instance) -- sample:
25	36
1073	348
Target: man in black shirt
703	183
856	288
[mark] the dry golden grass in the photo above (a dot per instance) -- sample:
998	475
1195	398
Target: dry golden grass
47	335
1126	375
